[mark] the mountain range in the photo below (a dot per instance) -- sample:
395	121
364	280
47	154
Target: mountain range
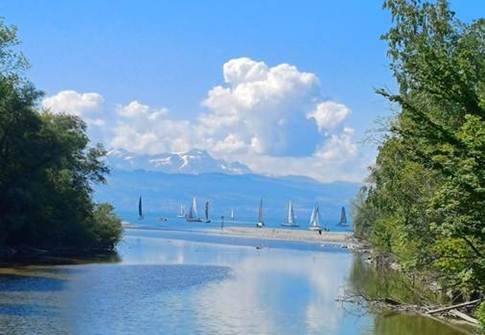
167	181
191	162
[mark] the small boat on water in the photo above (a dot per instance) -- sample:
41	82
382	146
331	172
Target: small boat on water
260	223
206	212
182	213
343	217
232	215
192	215
290	220
315	219
140	209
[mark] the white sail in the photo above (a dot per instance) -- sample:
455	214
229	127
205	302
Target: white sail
260	222
315	218
232	214
182	211
193	209
291	214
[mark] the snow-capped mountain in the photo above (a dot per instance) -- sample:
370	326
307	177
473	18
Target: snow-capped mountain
191	162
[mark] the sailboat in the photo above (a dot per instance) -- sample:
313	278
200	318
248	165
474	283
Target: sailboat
343	217
140	209
206	212
192	216
232	215
182	212
260	223
315	219
290	221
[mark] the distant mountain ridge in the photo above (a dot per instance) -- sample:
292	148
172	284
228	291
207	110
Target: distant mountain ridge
166	181
163	192
191	162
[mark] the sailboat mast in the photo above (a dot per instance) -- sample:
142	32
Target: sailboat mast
207	210
194	208
317	216
260	213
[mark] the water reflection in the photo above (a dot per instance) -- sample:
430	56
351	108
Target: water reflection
172	286
411	324
377	283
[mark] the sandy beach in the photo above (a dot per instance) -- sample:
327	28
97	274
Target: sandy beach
344	238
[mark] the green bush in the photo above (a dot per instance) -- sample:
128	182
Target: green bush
107	228
480	315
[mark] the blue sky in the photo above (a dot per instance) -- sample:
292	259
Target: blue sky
167	56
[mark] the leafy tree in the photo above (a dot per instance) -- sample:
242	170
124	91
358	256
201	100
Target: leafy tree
46	170
426	193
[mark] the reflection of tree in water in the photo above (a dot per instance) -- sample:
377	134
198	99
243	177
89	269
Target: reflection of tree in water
410	324
380	283
370	283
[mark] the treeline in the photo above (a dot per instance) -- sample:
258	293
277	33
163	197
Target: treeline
47	169
424	202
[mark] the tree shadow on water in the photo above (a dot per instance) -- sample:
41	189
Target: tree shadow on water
13	309
12	282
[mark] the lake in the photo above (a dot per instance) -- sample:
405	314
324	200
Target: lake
189	282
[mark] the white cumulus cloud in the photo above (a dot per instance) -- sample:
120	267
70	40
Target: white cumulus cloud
88	106
72	102
264	108
329	114
272	118
141	128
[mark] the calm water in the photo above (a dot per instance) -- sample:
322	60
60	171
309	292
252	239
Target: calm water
193	283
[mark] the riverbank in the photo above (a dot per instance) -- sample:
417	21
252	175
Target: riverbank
396	290
345	239
222	285
25	255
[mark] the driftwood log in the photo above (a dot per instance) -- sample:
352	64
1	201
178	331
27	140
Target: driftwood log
448	308
453	311
464	316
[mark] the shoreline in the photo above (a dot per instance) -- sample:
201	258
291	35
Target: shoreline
25	255
345	239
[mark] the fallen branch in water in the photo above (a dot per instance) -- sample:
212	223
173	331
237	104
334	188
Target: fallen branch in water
397	306
464	316
448	308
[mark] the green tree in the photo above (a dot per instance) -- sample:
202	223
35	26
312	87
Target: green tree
47	169
426	193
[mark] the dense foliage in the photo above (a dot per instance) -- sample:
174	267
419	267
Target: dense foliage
425	198
46	170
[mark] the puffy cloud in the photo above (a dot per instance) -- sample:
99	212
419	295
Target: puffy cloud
339	147
271	118
336	159
329	114
264	107
241	70
141	128
72	102
88	106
